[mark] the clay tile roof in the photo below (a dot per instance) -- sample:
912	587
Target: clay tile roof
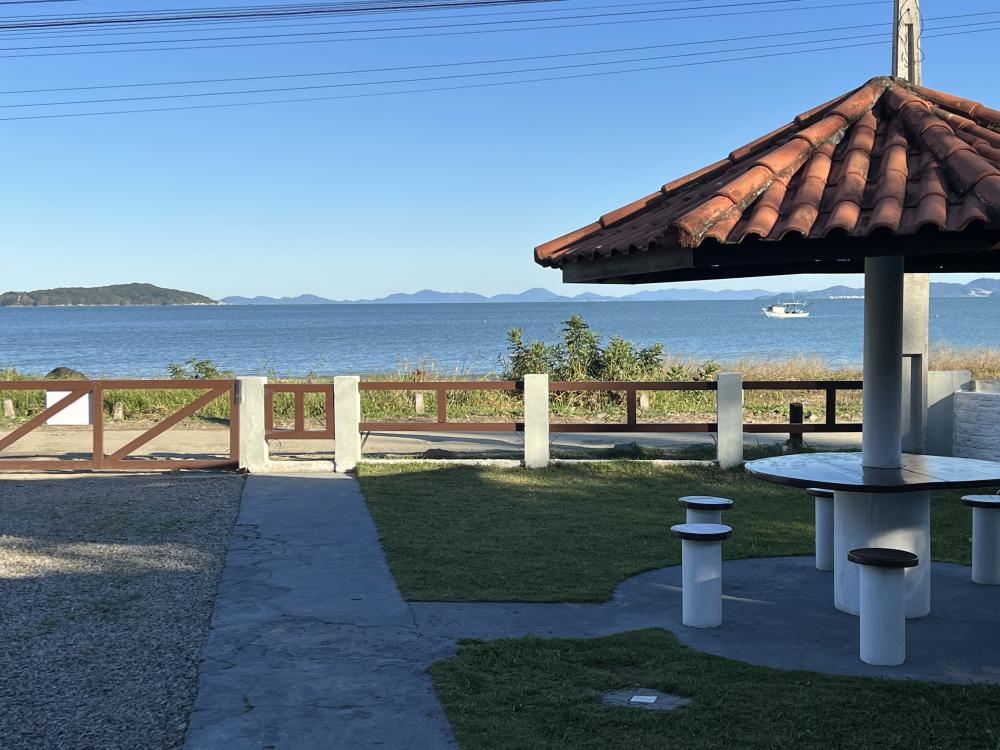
888	157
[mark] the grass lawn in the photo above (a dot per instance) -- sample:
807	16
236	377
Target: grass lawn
533	693
572	533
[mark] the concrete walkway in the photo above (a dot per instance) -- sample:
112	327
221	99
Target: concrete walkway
311	644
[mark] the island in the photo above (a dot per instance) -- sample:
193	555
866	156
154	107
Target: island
115	294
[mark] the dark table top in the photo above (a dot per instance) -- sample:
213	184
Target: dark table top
843	471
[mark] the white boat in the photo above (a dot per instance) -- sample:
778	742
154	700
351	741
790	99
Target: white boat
979	293
786	310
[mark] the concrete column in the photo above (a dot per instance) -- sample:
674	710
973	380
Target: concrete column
536	421
824	533
916	319
347	422
939	426
883	626
254	453
986	546
900	520
881	440
729	409
701	583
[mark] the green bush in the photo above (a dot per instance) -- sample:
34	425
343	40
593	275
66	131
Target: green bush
580	356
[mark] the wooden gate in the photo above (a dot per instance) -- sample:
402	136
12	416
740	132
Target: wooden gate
122	459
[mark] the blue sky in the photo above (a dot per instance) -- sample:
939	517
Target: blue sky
448	190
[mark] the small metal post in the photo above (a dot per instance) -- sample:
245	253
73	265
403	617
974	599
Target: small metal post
795	417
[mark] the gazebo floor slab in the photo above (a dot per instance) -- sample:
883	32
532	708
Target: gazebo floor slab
777	612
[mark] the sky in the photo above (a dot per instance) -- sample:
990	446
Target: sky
449	190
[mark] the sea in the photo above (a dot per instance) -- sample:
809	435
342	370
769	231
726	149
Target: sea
295	340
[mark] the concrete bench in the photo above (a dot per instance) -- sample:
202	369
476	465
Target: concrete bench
701	572
824	527
883	603
985	538
705	508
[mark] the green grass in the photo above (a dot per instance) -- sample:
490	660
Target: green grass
532	693
572	533
559	534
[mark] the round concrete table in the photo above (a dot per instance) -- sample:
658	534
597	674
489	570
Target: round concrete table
879	508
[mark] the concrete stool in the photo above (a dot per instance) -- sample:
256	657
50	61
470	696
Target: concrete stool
824	527
701	572
985	538
883	603
705	508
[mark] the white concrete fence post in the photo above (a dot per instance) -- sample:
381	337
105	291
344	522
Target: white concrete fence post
536	421
347	408
729	408
253	445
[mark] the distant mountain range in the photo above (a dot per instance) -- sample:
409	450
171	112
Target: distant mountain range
429	296
115	294
148	294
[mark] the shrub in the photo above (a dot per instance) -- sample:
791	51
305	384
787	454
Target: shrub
580	356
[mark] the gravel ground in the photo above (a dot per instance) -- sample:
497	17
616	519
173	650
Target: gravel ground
107	585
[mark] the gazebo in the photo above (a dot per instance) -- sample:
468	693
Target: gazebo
887	179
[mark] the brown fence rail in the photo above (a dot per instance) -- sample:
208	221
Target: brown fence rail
631	389
122	459
440	389
299	431
830	387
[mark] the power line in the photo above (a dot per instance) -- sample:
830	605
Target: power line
720	40
674	44
305	11
443	65
452	76
61	22
299	40
489	84
290	23
39	2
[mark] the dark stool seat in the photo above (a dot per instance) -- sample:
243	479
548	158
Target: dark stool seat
982	501
819	492
883	557
706	502
701	532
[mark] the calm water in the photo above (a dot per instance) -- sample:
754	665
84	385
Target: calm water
119	341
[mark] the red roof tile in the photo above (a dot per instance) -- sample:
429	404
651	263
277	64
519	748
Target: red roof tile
888	157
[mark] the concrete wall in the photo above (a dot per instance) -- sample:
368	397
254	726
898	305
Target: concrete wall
977	422
939	426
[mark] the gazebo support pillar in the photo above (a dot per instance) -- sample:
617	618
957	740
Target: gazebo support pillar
898	520
883	363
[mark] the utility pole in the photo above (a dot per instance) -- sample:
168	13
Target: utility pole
906	29
906	64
